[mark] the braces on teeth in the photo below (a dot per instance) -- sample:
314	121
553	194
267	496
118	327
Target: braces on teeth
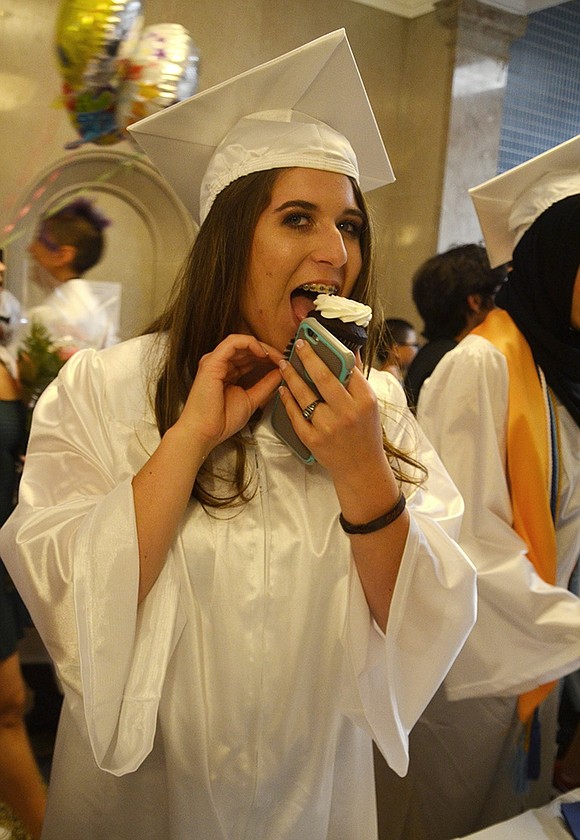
319	287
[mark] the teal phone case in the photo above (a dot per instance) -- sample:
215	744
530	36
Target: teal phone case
335	355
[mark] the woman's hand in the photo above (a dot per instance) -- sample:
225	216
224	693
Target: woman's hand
232	381
345	431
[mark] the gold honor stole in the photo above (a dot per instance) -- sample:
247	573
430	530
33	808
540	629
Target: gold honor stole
529	462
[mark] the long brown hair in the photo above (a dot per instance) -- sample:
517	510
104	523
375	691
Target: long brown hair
205	307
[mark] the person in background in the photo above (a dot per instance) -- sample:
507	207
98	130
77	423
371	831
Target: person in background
567	768
453	292
233	626
503	409
21	785
68	243
10	310
397	347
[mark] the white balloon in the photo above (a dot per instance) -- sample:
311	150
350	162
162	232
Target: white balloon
162	70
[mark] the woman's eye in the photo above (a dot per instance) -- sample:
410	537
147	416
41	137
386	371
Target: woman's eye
297	220
351	227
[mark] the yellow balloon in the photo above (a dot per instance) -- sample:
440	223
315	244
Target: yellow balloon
93	40
92	36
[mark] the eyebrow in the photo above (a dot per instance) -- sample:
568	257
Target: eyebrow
308	205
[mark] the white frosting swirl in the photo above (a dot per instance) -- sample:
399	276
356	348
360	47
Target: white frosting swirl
345	309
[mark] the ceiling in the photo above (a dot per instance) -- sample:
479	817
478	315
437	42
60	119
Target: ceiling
414	8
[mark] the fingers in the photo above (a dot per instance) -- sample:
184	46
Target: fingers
262	390
325	381
232	381
345	413
236	356
240	345
301	399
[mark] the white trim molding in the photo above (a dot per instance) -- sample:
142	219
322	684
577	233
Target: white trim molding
414	8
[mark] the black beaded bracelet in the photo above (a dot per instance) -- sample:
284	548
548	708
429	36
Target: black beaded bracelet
375	524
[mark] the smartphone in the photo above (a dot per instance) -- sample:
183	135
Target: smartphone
335	355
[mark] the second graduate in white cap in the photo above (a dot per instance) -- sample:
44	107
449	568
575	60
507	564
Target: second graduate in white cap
231	626
508	204
503	411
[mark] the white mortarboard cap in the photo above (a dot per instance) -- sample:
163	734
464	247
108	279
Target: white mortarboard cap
508	204
306	108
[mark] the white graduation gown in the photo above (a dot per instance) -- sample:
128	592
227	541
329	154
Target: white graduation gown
239	700
72	313
527	632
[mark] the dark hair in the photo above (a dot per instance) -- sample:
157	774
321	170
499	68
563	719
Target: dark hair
205	307
78	224
393	331
442	284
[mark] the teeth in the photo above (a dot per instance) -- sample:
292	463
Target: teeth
321	288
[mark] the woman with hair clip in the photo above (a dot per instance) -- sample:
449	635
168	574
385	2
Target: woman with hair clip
70	241
233	626
502	410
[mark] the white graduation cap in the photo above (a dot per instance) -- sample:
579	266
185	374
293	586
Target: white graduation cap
296	110
508	204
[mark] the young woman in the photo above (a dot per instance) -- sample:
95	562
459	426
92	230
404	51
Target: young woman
228	650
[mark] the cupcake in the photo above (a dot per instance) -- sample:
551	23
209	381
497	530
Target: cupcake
346	319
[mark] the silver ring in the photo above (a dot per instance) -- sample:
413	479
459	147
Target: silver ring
309	410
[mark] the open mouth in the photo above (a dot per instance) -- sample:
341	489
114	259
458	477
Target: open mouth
303	297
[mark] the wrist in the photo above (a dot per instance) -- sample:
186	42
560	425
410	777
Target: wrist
185	444
377	523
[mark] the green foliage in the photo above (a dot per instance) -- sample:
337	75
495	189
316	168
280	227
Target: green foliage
39	361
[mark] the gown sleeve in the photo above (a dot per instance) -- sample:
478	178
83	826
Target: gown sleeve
528	631
71	547
434	602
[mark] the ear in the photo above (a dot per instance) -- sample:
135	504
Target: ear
65	255
474	302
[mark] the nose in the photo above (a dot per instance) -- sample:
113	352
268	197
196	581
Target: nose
330	247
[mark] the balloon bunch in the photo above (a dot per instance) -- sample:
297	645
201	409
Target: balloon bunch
114	71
